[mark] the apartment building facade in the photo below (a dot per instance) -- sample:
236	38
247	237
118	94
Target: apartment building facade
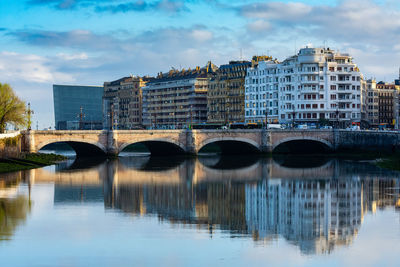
261	92
177	99
225	96
315	85
382	104
122	103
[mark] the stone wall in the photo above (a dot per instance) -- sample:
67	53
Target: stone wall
10	145
369	141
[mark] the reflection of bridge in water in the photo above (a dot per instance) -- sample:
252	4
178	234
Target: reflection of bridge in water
315	208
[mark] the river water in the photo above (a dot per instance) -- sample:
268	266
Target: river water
210	211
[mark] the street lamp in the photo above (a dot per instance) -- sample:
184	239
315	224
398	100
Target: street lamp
227	121
111	117
81	115
337	117
191	116
29	112
293	115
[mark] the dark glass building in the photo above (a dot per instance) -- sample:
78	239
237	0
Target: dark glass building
78	107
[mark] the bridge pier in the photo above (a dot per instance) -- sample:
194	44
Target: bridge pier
112	150
28	142
266	146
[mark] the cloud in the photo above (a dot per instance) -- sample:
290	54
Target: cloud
72	39
116	6
276	11
30	68
171	6
259	26
349	20
164	39
58	4
66	56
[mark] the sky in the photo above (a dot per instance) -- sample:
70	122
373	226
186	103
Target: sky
87	42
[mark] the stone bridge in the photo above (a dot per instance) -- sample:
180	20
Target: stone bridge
165	142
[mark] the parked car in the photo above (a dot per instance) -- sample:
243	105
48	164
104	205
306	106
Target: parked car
274	126
312	126
302	126
353	128
326	127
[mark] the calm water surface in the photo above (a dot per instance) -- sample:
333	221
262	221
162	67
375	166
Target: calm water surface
211	211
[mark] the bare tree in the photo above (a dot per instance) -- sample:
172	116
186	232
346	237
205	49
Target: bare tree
12	109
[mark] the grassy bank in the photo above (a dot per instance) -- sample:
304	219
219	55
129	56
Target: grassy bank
384	160
29	161
391	162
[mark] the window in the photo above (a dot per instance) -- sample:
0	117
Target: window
333	96
333	87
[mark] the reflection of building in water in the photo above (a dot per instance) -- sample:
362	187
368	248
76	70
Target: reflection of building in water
316	215
77	193
171	202
381	193
226	206
219	204
311	207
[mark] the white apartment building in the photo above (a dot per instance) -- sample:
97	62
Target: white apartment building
315	84
261	92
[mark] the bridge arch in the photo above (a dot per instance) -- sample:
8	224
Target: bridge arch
159	146
232	145
325	145
81	148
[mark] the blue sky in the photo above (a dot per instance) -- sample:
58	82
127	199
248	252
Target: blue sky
45	42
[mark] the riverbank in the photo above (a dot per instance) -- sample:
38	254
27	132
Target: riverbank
29	161
386	160
391	162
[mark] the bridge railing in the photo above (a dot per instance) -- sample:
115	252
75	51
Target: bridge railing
10	135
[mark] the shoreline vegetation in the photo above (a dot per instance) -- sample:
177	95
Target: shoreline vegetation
391	162
29	161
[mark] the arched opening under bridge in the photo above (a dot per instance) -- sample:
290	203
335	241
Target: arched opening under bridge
303	146
68	148
153	148
229	147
